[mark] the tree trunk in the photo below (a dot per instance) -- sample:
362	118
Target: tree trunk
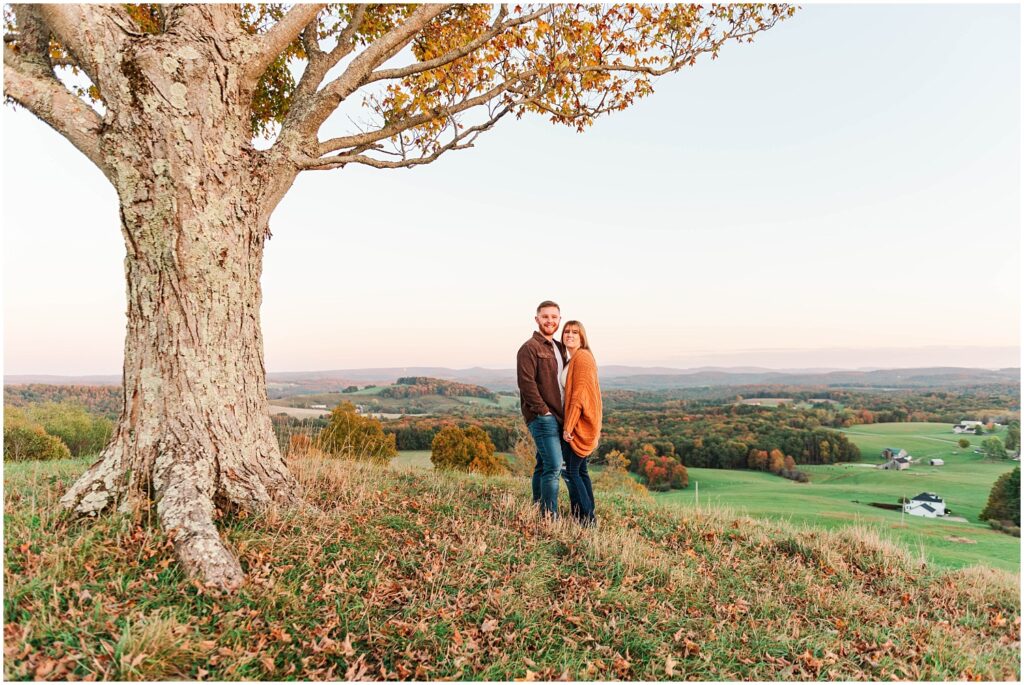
194	434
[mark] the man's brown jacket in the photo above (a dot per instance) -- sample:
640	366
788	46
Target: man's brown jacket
537	374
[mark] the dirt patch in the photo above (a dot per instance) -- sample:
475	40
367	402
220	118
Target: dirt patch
963	541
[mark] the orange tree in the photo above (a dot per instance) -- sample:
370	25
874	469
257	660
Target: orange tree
166	101
471	449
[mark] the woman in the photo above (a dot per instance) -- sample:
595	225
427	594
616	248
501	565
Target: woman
582	426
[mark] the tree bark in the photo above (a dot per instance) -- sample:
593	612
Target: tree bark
194	434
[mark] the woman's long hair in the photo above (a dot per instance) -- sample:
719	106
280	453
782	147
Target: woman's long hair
584	345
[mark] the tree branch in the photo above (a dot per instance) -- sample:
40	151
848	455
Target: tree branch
497	27
48	99
319	64
468	135
411	122
75	27
382	49
270	45
33	42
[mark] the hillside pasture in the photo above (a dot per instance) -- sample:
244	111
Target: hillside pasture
839	495
920	440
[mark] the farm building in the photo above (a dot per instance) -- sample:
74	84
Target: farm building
896	464
893	453
926	504
936	462
966	426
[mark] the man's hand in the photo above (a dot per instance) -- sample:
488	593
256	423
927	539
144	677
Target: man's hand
567	436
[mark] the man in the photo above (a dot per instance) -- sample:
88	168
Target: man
539	364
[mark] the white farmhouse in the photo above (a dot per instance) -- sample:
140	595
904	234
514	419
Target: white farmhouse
926	504
966	426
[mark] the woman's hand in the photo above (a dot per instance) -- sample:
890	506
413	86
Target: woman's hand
567	436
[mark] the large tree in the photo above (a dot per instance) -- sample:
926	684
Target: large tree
170	103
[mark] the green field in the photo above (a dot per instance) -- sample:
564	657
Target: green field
838	495
421	459
924	440
505	402
413	458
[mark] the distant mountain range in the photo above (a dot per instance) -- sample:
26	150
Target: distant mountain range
612	376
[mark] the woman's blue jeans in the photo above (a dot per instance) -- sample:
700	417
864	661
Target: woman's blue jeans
547	434
581	491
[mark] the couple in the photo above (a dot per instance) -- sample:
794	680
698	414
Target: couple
561	402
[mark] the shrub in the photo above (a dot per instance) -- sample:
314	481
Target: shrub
25	442
351	435
82	432
1007	527
795	474
993	448
963	443
483	458
524	454
615	476
455	449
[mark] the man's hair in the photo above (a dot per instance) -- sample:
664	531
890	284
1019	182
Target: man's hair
548	303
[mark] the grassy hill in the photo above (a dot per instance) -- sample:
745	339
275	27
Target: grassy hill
405	573
838	495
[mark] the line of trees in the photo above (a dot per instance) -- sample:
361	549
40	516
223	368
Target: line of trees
776	462
841	407
723	437
101	400
419	386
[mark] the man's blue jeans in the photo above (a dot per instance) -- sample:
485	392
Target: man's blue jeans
547	434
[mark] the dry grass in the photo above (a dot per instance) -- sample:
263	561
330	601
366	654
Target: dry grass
419	575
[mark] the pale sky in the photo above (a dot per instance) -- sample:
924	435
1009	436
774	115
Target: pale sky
845	191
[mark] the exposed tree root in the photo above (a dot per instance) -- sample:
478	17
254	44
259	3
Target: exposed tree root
187	486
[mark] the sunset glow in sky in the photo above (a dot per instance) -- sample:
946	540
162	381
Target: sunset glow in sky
843	192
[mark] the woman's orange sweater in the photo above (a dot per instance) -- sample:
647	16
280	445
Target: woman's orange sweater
582	403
